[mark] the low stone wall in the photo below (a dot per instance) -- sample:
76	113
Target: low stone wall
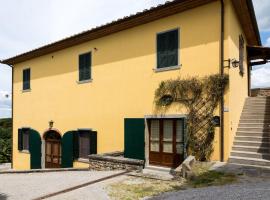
260	92
106	162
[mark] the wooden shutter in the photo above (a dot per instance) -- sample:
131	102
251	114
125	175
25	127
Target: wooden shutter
26	79
167	49
20	144
67	149
93	142
76	144
85	66
34	149
241	54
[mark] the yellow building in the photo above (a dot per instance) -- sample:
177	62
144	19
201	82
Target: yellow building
84	94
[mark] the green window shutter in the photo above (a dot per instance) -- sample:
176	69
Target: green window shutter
75	144
67	150
167	49
93	142
35	149
85	66
26	79
134	138
20	144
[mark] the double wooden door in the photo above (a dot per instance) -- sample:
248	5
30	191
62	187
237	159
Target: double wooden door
53	153
166	142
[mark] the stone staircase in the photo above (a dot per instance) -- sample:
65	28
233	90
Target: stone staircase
251	145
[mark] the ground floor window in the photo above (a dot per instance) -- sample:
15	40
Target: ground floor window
23	139
84	144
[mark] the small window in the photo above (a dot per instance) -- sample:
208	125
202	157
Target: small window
167	49
23	139
84	144
26	79
241	54
85	66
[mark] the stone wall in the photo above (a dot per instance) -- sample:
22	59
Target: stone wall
106	162
260	92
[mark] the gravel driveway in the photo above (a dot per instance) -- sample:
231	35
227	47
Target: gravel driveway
33	185
255	190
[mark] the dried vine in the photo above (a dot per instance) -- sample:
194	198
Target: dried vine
201	97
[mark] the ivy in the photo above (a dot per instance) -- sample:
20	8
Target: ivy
200	97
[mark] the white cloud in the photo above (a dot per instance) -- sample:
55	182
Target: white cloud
267	42
262	8
260	76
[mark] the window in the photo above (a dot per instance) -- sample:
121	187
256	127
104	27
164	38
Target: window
167	49
84	144
23	139
26	79
241	54
85	66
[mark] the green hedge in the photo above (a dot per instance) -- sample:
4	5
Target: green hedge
5	140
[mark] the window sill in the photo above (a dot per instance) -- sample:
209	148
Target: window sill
28	90
25	151
167	68
85	81
82	160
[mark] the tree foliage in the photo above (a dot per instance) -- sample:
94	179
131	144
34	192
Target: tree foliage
5	140
200	97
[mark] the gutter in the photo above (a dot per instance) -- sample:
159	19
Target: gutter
12	88
222	12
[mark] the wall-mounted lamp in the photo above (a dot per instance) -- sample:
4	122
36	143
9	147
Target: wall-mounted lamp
235	63
51	124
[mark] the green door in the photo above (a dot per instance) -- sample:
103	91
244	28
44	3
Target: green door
67	150
134	138
35	149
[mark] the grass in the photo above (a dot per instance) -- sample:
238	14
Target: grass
138	188
203	177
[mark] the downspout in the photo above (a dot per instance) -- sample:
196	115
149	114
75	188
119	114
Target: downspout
222	73
12	80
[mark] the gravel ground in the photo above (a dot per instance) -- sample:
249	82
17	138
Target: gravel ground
253	190
33	185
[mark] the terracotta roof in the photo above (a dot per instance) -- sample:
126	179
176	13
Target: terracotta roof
163	10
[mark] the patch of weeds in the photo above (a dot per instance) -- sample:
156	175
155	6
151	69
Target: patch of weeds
212	178
137	188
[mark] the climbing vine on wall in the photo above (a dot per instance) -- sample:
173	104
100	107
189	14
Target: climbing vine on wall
200	97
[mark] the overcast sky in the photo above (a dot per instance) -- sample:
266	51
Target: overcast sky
28	24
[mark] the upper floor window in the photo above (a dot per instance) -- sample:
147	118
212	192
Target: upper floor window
23	139
167	48
85	66
241	54
26	79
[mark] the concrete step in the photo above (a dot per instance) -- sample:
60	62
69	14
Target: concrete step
254	120
253	138
261	111
251	144
246	154
255	129
260	125
253	133
249	161
258	117
251	149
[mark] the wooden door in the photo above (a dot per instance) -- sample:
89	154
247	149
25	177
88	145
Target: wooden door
166	142
53	153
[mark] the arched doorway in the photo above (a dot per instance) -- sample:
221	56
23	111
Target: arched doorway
52	149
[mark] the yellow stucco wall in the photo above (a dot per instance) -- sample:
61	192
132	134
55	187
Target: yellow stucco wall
123	82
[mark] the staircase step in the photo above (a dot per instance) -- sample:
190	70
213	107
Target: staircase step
253	138
251	149
251	143
249	161
246	154
253	133
258	117
252	166
255	129
260	125
254	120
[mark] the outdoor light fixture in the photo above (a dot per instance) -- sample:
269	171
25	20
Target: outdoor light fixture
235	63
51	124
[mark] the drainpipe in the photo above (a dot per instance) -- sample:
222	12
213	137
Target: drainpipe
222	73
12	79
